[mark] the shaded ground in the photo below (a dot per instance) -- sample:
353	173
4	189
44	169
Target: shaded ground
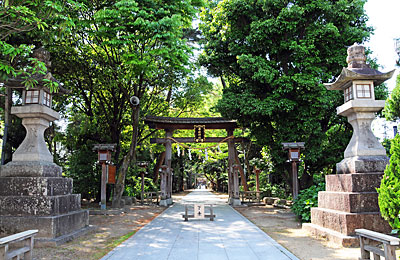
110	231
279	224
283	227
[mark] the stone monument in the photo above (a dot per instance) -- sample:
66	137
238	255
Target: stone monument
350	200
33	193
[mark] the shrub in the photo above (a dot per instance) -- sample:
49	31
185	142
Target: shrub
307	199
389	191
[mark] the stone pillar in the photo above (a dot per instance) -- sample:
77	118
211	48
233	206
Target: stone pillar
350	200
166	185
233	178
33	193
163	186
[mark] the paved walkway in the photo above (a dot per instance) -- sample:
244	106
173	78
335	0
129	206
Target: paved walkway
229	236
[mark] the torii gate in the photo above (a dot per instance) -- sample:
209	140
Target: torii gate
169	124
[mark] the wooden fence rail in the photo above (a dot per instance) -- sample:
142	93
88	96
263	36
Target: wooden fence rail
27	237
378	244
151	197
250	196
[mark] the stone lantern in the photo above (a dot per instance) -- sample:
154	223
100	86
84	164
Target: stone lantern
350	200
33	192
364	153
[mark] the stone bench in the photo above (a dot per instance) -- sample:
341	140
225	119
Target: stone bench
211	216
27	237
371	241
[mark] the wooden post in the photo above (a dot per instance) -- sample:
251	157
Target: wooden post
257	172
295	180
103	185
142	193
241	171
230	165
364	253
390	252
3	251
29	242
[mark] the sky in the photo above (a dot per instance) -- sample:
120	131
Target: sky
384	17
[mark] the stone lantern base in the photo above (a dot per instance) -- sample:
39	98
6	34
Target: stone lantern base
34	195
349	202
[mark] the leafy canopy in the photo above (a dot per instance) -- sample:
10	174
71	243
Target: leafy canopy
273	56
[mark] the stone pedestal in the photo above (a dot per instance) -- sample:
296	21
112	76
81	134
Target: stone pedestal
349	202
33	193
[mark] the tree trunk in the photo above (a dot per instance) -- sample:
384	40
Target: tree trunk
120	183
159	162
241	171
7	116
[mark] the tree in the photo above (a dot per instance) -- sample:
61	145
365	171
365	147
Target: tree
120	49
392	106
389	191
272	57
23	27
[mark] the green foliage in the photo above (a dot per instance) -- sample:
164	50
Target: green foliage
274	190
392	105
307	199
23	24
273	56
389	191
133	186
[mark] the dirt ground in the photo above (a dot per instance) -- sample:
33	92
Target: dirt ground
283	227
110	230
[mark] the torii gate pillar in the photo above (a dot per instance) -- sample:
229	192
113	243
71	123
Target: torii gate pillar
233	178
166	176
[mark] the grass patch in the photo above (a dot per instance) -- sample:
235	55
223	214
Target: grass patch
112	244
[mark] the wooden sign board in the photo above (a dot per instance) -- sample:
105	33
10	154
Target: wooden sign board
111	170
199	133
199	211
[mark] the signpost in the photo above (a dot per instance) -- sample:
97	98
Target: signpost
199	211
294	157
104	158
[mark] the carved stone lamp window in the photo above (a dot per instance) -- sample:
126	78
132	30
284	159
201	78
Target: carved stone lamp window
348	94
363	90
37	96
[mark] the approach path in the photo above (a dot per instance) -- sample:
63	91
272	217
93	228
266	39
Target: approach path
230	236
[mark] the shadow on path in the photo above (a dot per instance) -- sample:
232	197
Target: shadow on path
230	236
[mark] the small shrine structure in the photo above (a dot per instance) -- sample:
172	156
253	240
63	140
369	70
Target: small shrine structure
33	193
170	124
350	201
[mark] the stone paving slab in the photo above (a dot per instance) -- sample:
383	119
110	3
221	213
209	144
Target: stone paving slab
230	236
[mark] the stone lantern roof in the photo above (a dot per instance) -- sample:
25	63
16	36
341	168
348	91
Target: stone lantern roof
44	56
357	69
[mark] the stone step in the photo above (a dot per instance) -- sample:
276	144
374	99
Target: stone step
331	235
346	223
352	202
357	182
39	205
35	186
30	169
49	227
